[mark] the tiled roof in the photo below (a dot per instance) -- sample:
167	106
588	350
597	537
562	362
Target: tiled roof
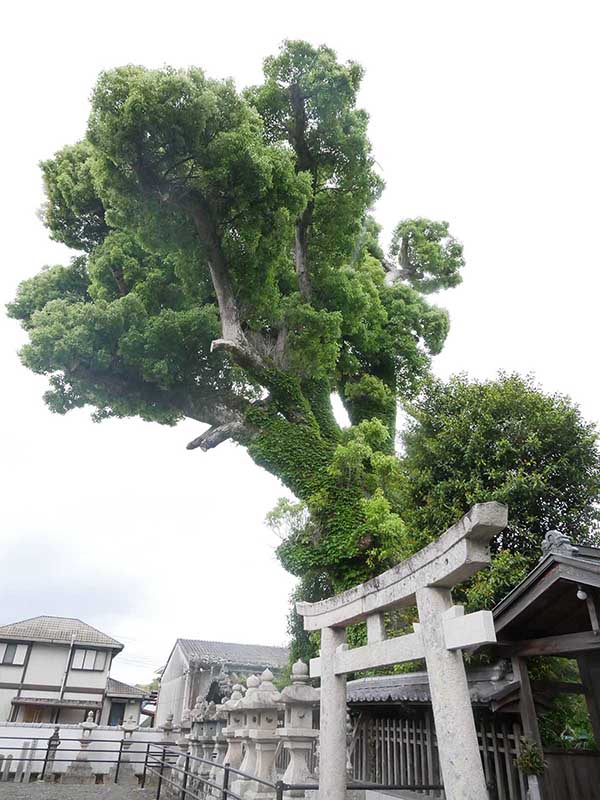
118	689
57	629
413	687
248	655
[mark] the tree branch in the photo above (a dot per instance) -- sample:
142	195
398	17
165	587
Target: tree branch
305	163
219	273
243	354
214	436
301	258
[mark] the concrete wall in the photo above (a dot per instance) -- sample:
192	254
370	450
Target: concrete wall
47	665
172	688
10	673
40	733
83	678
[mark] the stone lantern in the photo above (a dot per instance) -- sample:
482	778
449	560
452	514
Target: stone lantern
126	774
261	707
206	727
183	744
80	770
195	738
185	726
234	717
242	733
219	750
298	734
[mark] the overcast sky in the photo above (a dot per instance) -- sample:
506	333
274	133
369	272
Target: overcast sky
484	114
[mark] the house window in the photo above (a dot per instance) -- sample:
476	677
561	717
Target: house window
9	654
12	654
89	660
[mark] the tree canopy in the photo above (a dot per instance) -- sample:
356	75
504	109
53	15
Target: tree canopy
227	269
466	442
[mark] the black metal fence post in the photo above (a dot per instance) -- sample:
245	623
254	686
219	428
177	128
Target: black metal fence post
279	790
225	782
145	765
186	767
119	762
160	774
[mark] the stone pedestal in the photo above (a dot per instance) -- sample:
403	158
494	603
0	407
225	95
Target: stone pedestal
298	735
266	750
248	763
216	772
261	707
126	775
234	717
80	771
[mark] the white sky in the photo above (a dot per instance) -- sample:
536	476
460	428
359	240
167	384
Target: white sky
482	113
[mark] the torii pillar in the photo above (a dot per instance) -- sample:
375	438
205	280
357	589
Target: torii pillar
425	579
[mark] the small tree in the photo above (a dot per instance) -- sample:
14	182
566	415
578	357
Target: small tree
467	442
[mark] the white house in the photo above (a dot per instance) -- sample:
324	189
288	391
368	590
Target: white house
56	669
195	667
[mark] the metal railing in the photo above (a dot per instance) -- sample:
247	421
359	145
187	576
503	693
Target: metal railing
187	777
187	790
53	749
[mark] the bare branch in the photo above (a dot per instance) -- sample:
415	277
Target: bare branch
214	436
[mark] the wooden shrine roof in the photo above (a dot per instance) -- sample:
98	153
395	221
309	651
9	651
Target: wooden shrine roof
554	610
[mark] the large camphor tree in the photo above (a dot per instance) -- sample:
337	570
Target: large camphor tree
227	270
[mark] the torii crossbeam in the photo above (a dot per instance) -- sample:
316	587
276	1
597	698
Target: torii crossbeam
443	630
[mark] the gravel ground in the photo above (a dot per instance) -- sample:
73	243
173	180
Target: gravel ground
50	791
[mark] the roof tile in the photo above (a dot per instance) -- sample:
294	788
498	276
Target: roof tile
116	688
57	629
249	655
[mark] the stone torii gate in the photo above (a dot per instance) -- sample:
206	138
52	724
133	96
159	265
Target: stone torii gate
443	629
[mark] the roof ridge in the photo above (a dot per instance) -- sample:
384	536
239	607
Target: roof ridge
236	644
51	627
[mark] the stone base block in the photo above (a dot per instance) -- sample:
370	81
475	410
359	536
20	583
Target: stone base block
79	772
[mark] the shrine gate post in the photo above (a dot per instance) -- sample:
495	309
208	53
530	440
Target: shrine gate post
443	630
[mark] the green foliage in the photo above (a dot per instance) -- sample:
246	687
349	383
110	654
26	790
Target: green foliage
52	283
429	258
73	212
530	760
504	573
308	101
153	686
469	442
565	723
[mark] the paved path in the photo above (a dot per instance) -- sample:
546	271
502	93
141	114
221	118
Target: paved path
49	791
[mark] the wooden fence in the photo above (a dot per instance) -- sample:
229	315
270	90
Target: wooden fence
404	750
573	775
